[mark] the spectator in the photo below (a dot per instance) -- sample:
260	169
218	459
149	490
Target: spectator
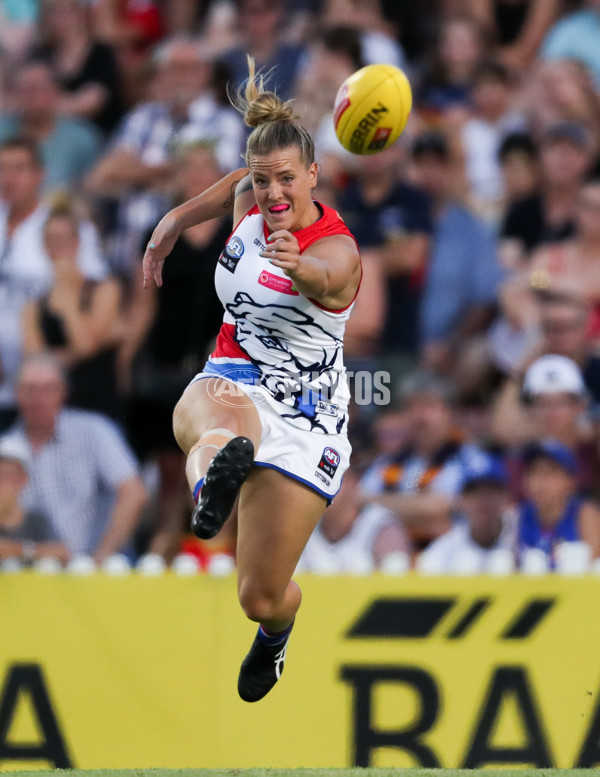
553	400
560	90
25	268
132	28
568	269
77	320
352	537
482	134
136	168
24	534
83	474
564	328
392	219
18	22
334	54
517	26
485	522
576	37
519	163
261	24
552	511
456	56
85	69
377	41
548	216
463	273
69	146
166	340
421	479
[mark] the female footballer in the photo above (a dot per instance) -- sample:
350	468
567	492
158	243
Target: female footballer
267	417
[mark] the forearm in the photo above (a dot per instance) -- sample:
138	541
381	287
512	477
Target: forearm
419	511
510	425
81	341
310	277
539	19
130	501
404	255
120	171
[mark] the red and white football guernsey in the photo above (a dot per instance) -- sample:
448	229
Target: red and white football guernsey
285	352
294	344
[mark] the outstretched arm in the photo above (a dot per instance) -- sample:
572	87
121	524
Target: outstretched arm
216	201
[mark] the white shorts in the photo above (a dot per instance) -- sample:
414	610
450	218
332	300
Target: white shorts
318	460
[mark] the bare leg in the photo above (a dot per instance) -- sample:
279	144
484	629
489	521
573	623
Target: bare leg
203	424
276	517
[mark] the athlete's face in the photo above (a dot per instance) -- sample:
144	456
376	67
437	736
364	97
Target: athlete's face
283	188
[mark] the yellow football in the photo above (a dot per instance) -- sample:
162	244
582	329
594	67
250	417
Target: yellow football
371	108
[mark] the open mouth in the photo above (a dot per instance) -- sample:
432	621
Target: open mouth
279	208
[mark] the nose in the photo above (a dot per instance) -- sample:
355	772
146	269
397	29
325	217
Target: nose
275	192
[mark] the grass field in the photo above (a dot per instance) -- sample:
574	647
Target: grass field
307	773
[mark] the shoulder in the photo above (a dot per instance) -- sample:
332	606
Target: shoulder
330	226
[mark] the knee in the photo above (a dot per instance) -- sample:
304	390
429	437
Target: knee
257	605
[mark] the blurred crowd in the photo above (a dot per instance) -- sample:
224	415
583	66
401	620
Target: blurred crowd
479	309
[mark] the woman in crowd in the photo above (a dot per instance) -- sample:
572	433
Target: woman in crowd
77	320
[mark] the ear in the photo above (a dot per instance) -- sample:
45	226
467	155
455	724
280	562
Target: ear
313	172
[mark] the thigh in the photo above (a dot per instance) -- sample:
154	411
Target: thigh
276	516
211	403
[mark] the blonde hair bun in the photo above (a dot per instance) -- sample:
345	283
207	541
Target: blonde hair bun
259	105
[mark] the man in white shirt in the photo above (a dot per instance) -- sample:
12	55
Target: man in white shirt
83	474
485	522
25	268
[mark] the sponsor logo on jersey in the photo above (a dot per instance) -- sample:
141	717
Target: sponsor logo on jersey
277	283
235	247
232	254
327	407
330	461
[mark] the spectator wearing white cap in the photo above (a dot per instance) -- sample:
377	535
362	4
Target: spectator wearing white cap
553	511
26	535
553	401
485	521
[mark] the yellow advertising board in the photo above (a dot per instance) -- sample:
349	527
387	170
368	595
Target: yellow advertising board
105	672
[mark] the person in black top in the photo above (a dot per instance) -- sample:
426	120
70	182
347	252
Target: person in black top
392	221
566	155
168	337
85	69
77	320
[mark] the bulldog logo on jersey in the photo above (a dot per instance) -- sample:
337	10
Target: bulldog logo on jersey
232	254
330	461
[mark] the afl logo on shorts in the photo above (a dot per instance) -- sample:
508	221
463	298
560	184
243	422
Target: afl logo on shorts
330	461
232	254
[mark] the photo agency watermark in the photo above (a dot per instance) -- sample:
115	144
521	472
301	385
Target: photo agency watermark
238	386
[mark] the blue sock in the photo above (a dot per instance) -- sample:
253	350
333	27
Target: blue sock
197	489
273	638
